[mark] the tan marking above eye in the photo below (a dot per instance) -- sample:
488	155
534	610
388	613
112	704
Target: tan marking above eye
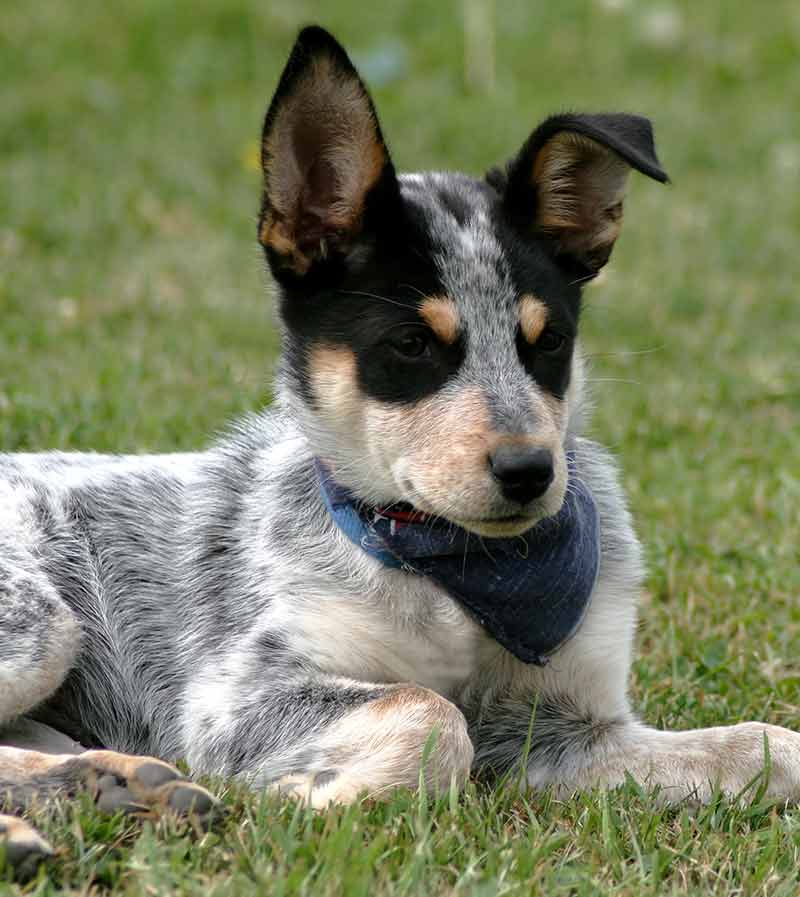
532	317
441	315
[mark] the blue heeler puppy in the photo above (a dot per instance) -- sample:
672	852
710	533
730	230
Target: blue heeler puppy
416	539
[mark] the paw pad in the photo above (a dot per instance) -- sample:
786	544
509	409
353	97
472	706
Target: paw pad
144	785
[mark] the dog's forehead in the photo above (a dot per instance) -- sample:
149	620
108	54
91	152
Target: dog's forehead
458	219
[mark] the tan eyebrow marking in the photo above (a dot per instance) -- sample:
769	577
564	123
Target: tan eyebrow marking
441	315
532	317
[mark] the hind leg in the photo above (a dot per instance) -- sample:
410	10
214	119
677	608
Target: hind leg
117	782
143	786
39	639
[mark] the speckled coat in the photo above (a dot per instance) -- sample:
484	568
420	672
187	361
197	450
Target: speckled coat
205	606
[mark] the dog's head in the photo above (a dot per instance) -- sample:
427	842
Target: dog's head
430	319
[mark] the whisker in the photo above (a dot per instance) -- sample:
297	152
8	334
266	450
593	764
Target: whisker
613	380
626	353
411	286
372	296
582	279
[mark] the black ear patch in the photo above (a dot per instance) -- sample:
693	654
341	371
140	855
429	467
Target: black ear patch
568	181
323	156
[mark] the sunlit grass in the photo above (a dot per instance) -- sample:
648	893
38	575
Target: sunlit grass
136	316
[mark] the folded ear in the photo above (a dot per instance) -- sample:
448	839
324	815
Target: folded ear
323	157
569	179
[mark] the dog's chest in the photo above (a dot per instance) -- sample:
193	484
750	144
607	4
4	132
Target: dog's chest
402	629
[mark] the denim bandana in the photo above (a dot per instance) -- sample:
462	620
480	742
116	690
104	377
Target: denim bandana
530	592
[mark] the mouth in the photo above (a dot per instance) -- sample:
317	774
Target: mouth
511	525
494	526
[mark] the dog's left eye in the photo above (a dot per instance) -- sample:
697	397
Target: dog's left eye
413	342
550	341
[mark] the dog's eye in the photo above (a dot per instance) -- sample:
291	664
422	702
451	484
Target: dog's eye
411	343
550	341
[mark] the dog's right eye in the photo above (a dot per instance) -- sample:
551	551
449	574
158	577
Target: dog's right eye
550	341
412	342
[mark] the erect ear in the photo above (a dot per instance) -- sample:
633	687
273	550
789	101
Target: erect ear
324	159
569	179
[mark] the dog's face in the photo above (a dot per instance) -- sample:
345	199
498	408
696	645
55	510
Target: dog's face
430	319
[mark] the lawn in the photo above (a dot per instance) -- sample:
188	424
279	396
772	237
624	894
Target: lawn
136	316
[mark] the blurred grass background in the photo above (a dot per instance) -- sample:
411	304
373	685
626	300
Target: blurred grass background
136	313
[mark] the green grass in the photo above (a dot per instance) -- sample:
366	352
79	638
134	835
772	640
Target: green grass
136	316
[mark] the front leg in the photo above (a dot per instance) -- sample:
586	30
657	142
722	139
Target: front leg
737	760
573	747
327	739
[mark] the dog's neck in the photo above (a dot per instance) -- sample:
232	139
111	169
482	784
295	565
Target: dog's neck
530	592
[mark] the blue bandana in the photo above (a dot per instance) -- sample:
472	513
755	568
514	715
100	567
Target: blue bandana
530	592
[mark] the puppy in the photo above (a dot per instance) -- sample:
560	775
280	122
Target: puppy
413	552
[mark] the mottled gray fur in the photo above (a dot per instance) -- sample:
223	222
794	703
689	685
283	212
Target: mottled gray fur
204	606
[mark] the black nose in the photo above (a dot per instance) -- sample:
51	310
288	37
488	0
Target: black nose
524	472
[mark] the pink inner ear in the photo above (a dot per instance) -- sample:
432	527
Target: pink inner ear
322	156
317	197
580	186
